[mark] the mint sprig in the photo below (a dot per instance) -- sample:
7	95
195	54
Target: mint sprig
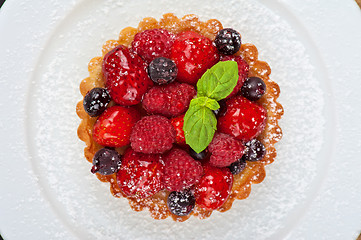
200	123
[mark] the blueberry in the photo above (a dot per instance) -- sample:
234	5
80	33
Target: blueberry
253	88
228	41
198	156
106	161
238	166
181	203
96	101
254	151
162	70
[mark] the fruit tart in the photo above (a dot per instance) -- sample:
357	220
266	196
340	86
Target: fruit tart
179	117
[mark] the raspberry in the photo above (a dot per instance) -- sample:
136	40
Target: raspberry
140	174
243	69
154	43
180	171
225	150
242	119
193	55
170	100
152	134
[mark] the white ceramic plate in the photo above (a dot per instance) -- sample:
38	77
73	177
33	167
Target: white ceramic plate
312	190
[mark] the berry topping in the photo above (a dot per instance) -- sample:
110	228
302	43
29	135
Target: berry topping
162	70
106	161
243	119
181	203
193	55
154	43
238	166
228	41
225	150
177	123
181	171
254	151
114	125
140	174
152	134
243	69
96	101
125	76
198	156
214	187
169	100
253	88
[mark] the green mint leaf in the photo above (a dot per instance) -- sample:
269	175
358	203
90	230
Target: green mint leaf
218	81
206	102
200	125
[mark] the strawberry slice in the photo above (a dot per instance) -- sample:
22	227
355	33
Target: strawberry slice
125	76
242	119
214	187
140	174
193	55
178	123
114	125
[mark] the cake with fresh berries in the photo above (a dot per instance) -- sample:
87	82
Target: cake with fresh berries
179	117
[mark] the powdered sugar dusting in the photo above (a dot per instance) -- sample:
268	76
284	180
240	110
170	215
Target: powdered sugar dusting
86	206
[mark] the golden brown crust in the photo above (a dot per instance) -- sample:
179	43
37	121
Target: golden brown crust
254	172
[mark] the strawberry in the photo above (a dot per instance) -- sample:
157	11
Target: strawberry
140	174
242	119
243	69
193	55
154	43
177	123
125	76
114	125
214	187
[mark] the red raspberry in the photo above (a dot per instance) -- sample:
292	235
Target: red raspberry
181	171
140	174
193	55
243	69
225	150
114	125
169	100
125	76
242	119
178	123
154	43
152	134
214	187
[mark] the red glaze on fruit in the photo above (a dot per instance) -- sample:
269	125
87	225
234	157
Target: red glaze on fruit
243	69
140	174
214	187
181	171
178	123
153	43
114	125
193	55
242	119
125	76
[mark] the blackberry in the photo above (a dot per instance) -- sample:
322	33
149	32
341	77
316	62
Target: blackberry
220	111
162	70
181	203
237	166
253	88
254	151
228	41
106	161
96	101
